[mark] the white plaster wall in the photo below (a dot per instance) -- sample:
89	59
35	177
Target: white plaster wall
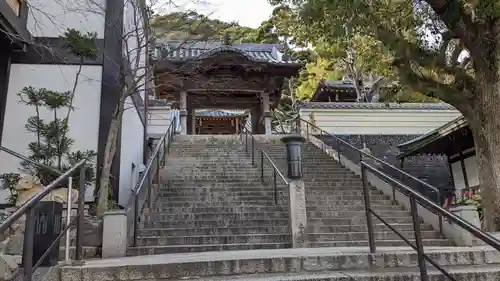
158	120
134	43
471	168
132	141
83	122
53	18
378	121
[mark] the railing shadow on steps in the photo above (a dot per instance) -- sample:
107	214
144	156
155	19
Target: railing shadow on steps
415	198
142	194
77	172
251	149
354	154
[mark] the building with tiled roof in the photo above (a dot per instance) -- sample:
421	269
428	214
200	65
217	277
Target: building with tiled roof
192	75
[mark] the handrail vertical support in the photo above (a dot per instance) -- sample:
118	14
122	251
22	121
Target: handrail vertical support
69	207
29	235
253	151
275	187
81	214
418	239
136	219
262	166
369	221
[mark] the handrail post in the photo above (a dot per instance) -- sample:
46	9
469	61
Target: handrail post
275	188
418	239
262	166
253	151
246	141
81	214
69	207
369	221
28	244
164	151
440	217
307	131
136	219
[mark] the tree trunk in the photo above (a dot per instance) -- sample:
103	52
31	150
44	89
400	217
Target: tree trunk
109	155
484	122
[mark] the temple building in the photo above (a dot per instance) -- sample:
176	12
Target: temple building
334	91
220	122
344	91
224	76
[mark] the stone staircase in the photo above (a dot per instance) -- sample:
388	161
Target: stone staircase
335	204
211	199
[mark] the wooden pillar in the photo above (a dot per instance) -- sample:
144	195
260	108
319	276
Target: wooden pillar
183	112
256	116
266	109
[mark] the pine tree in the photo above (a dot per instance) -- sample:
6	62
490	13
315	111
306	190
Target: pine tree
52	146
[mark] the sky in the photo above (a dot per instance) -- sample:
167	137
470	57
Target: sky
249	13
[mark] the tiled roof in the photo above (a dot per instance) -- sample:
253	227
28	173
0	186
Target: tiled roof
181	51
356	105
219	113
413	145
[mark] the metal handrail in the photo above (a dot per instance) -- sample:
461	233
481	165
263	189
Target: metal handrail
363	154
263	155
162	148
28	209
276	172
415	198
24	158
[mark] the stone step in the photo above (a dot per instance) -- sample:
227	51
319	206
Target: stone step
363	227
209	193
459	273
356	220
214	239
334	261
218	223
212	231
381	243
221	209
172	249
165	203
379	235
256	195
269	215
274	208
218	200
217	216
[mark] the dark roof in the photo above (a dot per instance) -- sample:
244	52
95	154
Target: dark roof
219	113
183	51
379	105
155	102
417	144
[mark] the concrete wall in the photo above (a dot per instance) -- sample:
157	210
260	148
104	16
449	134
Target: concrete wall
395	120
132	141
132	134
158	120
83	122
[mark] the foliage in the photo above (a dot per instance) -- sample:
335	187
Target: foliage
51	148
442	49
471	198
191	25
9	182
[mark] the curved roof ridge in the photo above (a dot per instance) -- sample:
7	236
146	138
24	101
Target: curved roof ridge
224	48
